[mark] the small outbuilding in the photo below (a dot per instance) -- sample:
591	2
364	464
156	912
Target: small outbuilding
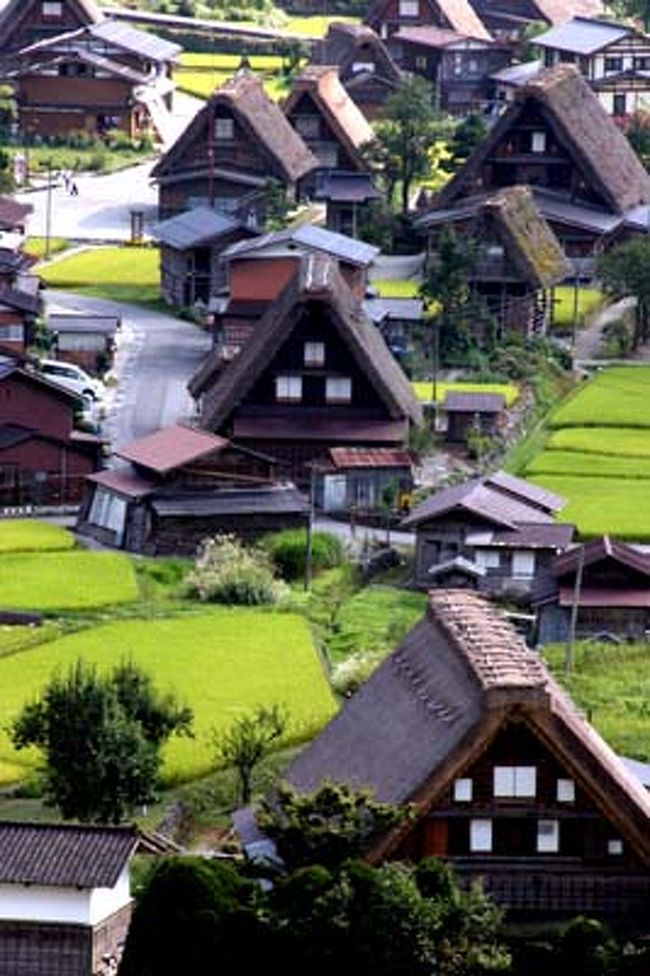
466	412
87	340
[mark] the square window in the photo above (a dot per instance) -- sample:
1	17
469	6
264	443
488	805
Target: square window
515	781
566	791
409	8
224	129
614	846
523	564
288	388
462	790
308	126
538	142
480	835
314	353
548	836
338	389
52	8
488	558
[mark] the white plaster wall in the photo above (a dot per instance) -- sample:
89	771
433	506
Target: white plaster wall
31	903
104	902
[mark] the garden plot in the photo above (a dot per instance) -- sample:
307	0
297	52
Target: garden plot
65	580
30	535
222	664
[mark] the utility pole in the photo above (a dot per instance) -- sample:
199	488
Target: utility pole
48	212
575	606
309	551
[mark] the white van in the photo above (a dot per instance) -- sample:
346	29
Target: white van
72	378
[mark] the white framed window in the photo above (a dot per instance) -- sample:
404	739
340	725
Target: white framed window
538	142
463	790
566	791
615	846
288	388
52	8
224	129
338	389
548	836
523	564
488	558
409	8
480	836
515	781
359	66
314	353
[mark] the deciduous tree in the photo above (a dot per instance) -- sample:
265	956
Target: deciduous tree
247	741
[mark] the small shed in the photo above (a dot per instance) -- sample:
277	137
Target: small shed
191	245
363	478
483	412
87	340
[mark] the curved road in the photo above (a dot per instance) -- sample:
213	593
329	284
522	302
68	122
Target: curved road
157	354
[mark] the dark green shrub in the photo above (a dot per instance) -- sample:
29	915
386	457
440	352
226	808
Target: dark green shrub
288	550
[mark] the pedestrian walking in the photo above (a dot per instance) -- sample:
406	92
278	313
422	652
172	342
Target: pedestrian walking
74	189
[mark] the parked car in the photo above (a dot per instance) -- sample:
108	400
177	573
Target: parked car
72	378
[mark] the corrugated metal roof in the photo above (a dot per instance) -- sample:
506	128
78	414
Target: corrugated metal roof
458	402
517	74
582	35
241	501
340	246
193	227
131	39
555	535
526	491
171	448
78	322
554	208
57	855
407	309
361	457
602	596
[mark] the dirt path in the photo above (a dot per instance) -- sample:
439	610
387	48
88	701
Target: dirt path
588	340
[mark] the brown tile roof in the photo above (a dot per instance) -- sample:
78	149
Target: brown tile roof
585	129
171	447
458	402
260	116
431	708
318	282
57	855
124	482
361	457
321	83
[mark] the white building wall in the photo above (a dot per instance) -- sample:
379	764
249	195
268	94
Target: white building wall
104	902
31	903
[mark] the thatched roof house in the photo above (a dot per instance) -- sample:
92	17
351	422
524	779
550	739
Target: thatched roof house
507	780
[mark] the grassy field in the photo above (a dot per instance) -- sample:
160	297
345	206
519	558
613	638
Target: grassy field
122	274
589	299
36	246
616	397
423	390
595	452
375	619
29	535
221	663
65	580
618	506
611	684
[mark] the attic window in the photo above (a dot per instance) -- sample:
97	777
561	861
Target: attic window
288	388
409	8
614	846
314	353
515	781
338	389
52	9
480	836
359	66
538	142
566	791
463	790
548	836
224	129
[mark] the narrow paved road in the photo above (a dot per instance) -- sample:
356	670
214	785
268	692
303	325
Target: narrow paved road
156	356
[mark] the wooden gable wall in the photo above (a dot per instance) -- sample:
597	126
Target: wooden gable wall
28	25
307	106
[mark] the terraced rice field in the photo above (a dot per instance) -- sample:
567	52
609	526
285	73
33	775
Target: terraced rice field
598	455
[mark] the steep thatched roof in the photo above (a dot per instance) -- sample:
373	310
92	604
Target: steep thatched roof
17	12
317	281
586	131
431	709
321	83
531	244
260	116
341	46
